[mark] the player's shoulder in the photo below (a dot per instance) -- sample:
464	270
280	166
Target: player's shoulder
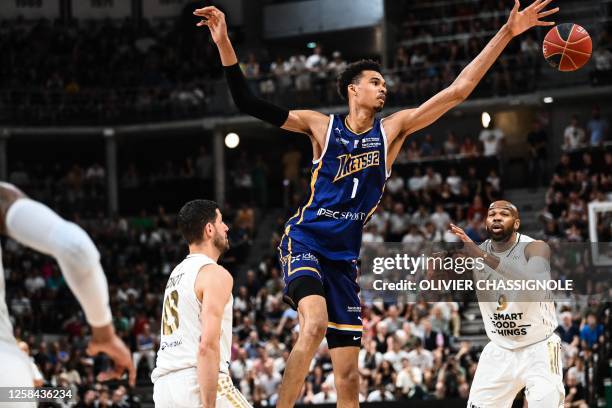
215	271
535	247
213	278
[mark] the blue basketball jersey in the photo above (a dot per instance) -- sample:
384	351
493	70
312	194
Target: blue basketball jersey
346	186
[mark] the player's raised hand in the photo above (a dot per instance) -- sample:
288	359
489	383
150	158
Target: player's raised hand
531	16
104	340
214	19
459	232
469	247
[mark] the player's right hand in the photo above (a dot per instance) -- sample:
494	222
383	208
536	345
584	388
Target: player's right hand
104	340
214	19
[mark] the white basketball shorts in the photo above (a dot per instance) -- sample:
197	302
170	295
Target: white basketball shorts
181	390
16	372
502	373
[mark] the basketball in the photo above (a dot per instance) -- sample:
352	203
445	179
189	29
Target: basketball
567	47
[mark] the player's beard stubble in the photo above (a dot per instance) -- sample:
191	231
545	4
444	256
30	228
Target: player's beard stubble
502	236
221	242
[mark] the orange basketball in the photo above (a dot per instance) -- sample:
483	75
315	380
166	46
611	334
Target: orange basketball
567	47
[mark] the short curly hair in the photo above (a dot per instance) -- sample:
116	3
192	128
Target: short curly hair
352	74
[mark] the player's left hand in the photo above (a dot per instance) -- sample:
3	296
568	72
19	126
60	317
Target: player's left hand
521	21
104	340
214	19
469	247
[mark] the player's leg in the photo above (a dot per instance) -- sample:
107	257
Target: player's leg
346	374
496	380
304	290
543	374
313	315
16	373
344	329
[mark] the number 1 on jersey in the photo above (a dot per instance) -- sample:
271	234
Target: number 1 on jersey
355	184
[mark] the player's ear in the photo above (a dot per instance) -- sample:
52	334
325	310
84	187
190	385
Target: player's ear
517	224
352	89
209	229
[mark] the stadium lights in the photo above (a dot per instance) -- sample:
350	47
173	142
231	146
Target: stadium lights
548	99
486	120
232	140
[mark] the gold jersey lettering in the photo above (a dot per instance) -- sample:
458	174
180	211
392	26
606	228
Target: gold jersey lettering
352	164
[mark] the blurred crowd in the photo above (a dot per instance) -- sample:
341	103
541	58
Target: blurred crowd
96	70
409	351
125	70
581	177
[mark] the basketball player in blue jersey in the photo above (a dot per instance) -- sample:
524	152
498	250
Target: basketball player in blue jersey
353	155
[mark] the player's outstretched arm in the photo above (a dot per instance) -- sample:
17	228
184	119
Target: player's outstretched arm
214	283
403	123
35	225
301	121
537	254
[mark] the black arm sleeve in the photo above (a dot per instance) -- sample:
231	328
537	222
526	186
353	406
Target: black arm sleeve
249	103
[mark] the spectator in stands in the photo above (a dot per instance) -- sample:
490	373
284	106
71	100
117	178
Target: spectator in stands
399	222
395	185
417	181
281	72
145	347
603	65
421	357
597	128
573	136
252	72
468	147
316	64
432	179
592	332
204	164
427	147
492	139
451	146
327	395
454	181
537	139
567	330
575	395
440	218
420	216
413	152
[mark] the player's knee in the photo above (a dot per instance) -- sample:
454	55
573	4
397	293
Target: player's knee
314	329
347	381
74	246
546	398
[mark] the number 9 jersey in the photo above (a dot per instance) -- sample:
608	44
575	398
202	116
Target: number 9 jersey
346	186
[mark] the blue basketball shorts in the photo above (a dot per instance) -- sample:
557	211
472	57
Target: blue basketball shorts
339	280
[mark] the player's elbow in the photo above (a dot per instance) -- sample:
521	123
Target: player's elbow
73	246
460	91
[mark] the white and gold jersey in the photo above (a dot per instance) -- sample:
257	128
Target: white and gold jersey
513	325
6	328
181	325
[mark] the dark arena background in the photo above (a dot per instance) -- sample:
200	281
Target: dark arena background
116	112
